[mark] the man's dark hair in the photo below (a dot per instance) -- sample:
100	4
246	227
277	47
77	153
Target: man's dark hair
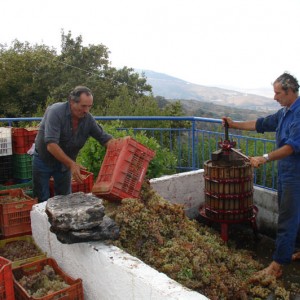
78	90
288	81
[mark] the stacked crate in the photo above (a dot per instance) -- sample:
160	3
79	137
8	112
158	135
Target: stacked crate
15	222
21	250
16	165
73	289
29	274
20	256
22	140
15	207
6	280
6	160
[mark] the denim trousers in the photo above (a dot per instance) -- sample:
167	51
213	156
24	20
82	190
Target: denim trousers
288	220
41	173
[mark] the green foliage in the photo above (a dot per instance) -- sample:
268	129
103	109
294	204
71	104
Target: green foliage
163	163
27	74
30	75
125	104
92	154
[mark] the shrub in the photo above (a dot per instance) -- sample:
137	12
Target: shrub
92	154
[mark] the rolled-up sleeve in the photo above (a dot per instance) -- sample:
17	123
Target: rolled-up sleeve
269	123
52	126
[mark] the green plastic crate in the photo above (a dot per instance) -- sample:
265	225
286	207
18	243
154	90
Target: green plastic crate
26	186
22	166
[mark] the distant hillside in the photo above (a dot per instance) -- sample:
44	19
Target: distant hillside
177	89
207	110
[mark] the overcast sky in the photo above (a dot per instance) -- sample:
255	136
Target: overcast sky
231	43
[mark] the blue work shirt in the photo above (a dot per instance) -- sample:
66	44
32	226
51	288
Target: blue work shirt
286	123
56	127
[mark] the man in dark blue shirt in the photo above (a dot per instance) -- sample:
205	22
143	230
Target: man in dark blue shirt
286	124
63	131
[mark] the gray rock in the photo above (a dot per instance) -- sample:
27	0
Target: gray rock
80	217
77	211
108	230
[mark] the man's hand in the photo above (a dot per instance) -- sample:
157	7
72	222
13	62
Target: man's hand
228	121
75	172
257	161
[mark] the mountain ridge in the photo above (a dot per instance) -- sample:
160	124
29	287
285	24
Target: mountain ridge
173	88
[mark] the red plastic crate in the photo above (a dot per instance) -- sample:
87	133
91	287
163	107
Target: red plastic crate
73	292
123	170
15	216
6	280
85	186
22	139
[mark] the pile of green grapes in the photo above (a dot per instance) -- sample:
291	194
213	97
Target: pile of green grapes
158	232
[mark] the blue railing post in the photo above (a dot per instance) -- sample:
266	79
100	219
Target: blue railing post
193	145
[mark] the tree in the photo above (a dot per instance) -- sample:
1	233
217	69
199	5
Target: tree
90	66
31	75
119	80
79	65
27	75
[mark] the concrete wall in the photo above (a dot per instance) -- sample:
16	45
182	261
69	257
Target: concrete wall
109	273
188	189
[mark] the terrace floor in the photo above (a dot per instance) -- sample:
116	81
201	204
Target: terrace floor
242	236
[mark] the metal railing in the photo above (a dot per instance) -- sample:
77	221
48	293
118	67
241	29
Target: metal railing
194	144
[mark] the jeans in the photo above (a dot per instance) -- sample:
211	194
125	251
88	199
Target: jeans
288	220
41	174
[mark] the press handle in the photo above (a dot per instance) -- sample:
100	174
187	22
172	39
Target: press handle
226	126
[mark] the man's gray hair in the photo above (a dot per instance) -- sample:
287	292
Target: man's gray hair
288	81
78	90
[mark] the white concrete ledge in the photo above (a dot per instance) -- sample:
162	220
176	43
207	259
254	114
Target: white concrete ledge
108	273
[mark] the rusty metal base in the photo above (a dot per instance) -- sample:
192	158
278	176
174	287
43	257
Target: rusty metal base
225	223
